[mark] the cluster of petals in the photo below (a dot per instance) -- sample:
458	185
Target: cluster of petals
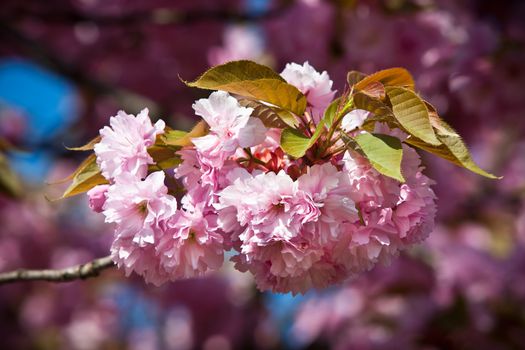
317	87
140	209
123	147
157	236
286	230
294	225
230	125
393	215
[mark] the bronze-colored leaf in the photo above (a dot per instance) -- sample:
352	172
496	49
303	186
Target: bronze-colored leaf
85	177
164	157
388	77
182	138
412	114
373	105
271	117
254	81
375	89
452	147
353	77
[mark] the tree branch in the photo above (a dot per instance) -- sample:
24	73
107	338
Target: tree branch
83	271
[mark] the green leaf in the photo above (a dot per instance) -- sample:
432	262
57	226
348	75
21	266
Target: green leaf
295	143
173	137
452	147
332	111
411	113
88	146
388	77
384	153
9	181
272	117
255	81
182	138
164	157
85	177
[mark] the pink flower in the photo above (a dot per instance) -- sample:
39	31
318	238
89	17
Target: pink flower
394	215
97	197
140	209
191	245
354	119
200	178
123	147
270	205
141	260
332	192
316	86
278	241
230	127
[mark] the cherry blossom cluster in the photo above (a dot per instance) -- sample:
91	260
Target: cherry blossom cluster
294	223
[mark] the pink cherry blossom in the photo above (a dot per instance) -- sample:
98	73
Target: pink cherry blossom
230	127
296	223
140	209
279	241
270	204
143	261
97	197
200	178
316	86
354	119
191	245
123	146
331	190
394	215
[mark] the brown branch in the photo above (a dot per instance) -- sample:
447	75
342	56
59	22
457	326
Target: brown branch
83	271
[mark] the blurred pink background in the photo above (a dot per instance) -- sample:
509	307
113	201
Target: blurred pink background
66	66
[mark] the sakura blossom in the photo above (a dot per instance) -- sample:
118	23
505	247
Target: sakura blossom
191	244
354	119
230	127
297	215
123	145
140	209
317	87
434	280
393	215
97	197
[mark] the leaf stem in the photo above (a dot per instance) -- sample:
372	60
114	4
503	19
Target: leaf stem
340	115
252	158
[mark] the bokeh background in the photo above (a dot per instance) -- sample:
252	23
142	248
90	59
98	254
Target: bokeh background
67	66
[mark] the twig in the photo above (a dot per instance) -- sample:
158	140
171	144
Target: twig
83	271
